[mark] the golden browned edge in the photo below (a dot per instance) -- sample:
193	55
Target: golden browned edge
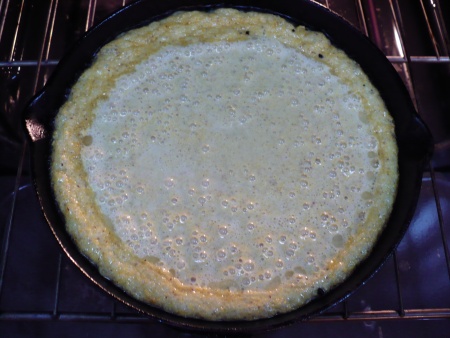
139	277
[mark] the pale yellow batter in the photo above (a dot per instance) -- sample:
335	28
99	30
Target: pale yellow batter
224	165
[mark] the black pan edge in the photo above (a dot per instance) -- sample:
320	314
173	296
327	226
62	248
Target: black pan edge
414	141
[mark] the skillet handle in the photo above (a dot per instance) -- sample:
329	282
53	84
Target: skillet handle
415	140
39	115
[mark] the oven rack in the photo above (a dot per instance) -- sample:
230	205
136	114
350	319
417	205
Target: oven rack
33	38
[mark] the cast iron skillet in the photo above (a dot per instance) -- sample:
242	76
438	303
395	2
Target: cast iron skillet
414	141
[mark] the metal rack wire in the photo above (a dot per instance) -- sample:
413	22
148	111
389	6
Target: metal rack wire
32	40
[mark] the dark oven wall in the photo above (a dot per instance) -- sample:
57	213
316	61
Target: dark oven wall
43	294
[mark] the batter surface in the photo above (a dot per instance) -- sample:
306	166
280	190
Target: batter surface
224	165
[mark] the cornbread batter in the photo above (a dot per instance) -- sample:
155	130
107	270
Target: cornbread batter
224	165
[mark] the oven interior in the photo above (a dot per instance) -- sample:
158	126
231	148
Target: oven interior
42	293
